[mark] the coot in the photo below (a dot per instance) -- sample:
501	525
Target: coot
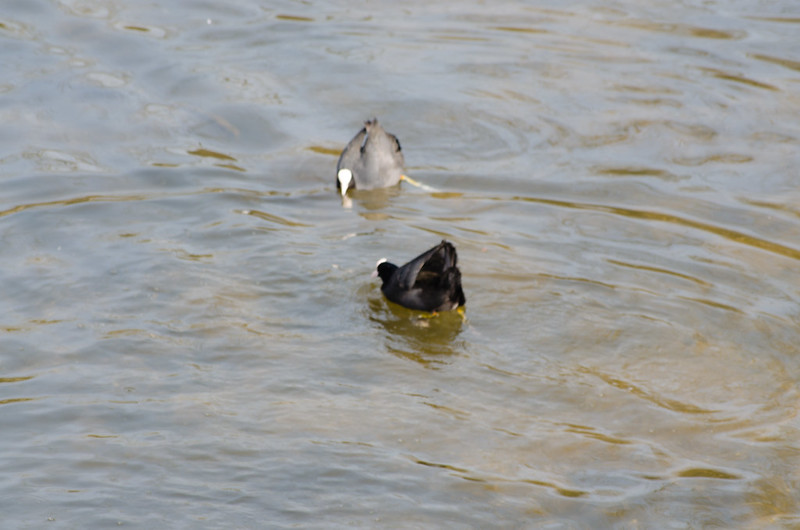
372	159
429	282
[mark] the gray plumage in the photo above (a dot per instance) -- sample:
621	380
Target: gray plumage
373	157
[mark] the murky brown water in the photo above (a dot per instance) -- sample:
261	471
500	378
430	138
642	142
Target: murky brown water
190	337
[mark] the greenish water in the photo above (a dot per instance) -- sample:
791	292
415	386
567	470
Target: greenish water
189	336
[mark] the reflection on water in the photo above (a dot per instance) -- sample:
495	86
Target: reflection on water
415	335
187	321
372	204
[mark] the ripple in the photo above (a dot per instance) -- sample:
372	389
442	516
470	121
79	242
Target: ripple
665	403
782	207
207	153
702	472
516	29
639	172
16	30
107	79
591	432
473	476
780	20
781	61
719	158
681	30
59	161
149	30
10	401
659	270
125	198
727	233
272	218
16	379
737	78
491	138
294	18
86	8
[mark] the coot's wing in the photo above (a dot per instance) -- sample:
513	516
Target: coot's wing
397	149
407	274
442	260
397	152
352	153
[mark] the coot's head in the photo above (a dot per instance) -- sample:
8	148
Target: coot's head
384	269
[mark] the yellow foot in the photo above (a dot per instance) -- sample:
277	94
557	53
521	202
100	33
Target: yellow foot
417	184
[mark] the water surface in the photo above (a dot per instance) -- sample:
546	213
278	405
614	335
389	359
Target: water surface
190	336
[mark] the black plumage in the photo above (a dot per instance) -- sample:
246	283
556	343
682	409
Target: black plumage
429	282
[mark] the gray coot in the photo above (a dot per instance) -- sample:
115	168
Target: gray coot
429	282
372	159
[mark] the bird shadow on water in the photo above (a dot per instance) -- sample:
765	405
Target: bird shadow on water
429	339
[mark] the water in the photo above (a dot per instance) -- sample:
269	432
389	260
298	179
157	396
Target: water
190	337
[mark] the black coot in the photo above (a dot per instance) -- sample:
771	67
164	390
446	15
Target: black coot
372	159
429	282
